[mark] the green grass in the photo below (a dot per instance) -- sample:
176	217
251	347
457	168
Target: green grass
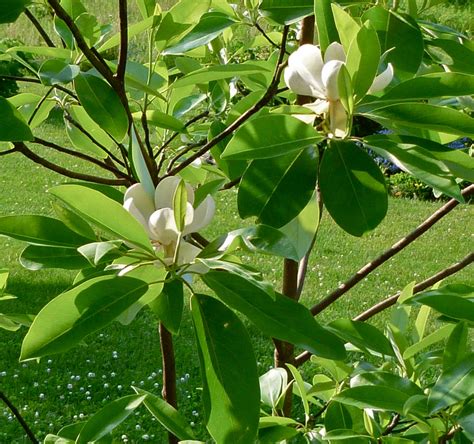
41	389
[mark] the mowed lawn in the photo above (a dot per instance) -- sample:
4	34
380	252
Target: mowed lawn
67	388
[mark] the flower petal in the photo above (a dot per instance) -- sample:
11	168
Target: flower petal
335	51
337	119
164	193
162	226
129	205
329	75
318	106
382	80
137	197
307	61
203	215
187	253
296	83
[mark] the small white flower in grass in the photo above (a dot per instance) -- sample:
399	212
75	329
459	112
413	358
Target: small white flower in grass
157	215
310	74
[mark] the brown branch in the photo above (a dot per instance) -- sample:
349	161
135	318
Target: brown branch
93	56
122	60
39	28
231	184
265	35
386	255
386	303
169	372
11	151
83	156
443	274
33	80
271	90
23	149
449	435
19	418
393	423
182	152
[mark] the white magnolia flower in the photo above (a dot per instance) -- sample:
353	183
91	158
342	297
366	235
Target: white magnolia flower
310	74
157	217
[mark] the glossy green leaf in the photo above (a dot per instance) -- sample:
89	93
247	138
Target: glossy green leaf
211	25
422	115
168	306
34	109
98	252
38	257
10	10
285	12
271	435
102	104
387	379
453	386
167	415
289	178
455	55
346	26
108	418
45	51
417	161
139	164
440	84
66	320
13	128
401	35
353	188
466	420
40	230
218	72
73	221
346	435
103	212
433	338
229	372
53	72
363	59
161	120
89	28
457	346
299	388
270	136
325	24
279	317
340	416
362	335
146	7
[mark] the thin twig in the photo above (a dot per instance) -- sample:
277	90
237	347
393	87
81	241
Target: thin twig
39	104
449	435
23	149
265	35
11	151
19	418
39	28
386	303
393	423
184	151
271	90
122	60
386	255
231	184
33	80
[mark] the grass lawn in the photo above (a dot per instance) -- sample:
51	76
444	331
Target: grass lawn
67	388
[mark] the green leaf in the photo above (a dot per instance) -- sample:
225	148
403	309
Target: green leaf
167	415
353	188
439	84
89	28
433	338
449	301
363	60
66	320
362	335
54	71
44	51
162	120
326	27
35	257
10	10
211	25
270	136
108	418
453	386
466	419
146	7
289	178
457	345
401	35
346	435
299	388
271	435
98	252
451	53
387	379
33	108
168	306
418	161
286	12
279	317
422	115
13	128
73	221
102	104
40	230
229	372
139	164
218	72
346	26
340	416
103	212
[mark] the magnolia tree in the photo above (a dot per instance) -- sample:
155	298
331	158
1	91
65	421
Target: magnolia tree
197	116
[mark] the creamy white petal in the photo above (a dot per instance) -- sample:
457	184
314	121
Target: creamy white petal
330	74
187	253
129	205
335	51
142	202
382	80
337	119
164	193
203	215
305	118
318	106
162	226
296	83
307	61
